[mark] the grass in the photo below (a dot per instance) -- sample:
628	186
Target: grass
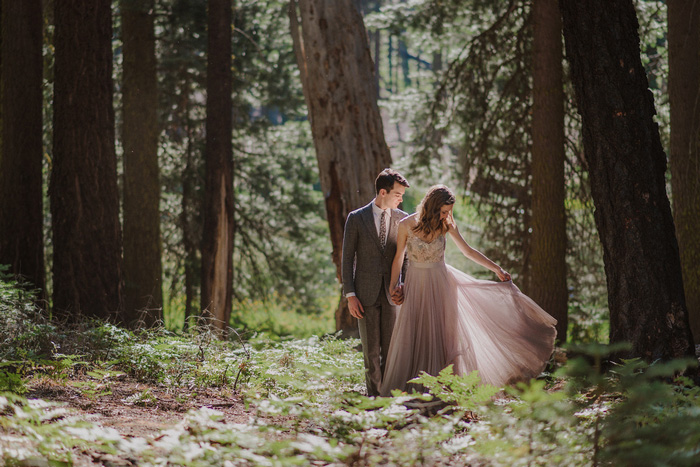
275	317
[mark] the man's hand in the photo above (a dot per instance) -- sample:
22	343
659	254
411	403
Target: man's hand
397	295
355	307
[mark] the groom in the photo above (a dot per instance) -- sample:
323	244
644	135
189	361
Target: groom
369	246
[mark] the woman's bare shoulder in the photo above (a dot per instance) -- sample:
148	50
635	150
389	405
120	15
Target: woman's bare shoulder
407	222
410	220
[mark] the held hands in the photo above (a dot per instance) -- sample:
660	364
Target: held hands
503	275
355	307
397	295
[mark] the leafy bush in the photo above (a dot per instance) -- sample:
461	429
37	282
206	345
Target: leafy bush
24	329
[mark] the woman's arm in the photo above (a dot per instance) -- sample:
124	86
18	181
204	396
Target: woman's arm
475	255
397	264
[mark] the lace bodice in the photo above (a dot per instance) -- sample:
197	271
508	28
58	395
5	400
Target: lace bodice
420	251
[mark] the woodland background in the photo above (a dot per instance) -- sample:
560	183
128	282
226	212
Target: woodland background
173	161
174	180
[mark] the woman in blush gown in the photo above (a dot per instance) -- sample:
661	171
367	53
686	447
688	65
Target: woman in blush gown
448	317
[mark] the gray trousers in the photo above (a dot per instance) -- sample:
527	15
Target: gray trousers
375	333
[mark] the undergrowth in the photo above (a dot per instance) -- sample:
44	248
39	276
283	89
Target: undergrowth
306	405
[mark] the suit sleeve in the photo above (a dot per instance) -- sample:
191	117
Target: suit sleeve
348	258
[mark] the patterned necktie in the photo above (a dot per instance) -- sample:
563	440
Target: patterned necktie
382	230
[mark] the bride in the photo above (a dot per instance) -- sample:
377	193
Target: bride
448	317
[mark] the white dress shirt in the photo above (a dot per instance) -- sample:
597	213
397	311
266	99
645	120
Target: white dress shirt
377	211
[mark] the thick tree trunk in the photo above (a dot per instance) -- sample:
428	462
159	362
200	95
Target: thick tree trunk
339	86
87	264
626	167
217	242
21	211
143	293
547	283
684	94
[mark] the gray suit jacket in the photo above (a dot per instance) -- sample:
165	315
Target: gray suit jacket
364	266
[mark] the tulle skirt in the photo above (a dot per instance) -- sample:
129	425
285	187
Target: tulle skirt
448	317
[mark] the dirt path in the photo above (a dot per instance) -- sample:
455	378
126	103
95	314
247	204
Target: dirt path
138	409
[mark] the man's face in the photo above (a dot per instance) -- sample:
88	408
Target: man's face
395	195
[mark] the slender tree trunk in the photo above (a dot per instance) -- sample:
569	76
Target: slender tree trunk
188	207
87	266
547	285
684	94
626	167
21	210
217	242
403	56
143	293
339	86
390	62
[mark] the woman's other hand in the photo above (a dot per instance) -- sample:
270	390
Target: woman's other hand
503	274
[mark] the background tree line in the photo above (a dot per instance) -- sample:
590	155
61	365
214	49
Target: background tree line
175	142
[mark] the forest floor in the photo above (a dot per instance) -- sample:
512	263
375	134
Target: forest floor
123	408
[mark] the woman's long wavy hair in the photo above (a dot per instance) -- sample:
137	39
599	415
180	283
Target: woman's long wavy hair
429	211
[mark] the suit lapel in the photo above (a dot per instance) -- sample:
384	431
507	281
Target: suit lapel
368	218
394	224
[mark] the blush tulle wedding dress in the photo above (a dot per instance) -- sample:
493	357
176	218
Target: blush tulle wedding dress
449	317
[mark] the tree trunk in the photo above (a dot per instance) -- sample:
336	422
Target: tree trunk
87	264
21	210
547	284
684	96
626	167
339	87
189	206
217	242
143	293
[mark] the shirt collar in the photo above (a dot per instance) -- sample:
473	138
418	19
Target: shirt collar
376	210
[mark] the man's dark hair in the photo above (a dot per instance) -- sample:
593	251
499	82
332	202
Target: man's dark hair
387	178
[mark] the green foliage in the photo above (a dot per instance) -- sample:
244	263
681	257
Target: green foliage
98	384
11	381
24	329
641	414
35	432
305	405
278	318
464	391
532	427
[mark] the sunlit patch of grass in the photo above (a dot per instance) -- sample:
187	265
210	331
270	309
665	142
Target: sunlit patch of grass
275	316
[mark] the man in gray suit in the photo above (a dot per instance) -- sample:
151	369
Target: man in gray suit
369	246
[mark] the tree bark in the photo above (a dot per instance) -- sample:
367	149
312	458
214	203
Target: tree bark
626	167
684	96
547	285
21	193
189	206
339	86
87	263
217	242
143	293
